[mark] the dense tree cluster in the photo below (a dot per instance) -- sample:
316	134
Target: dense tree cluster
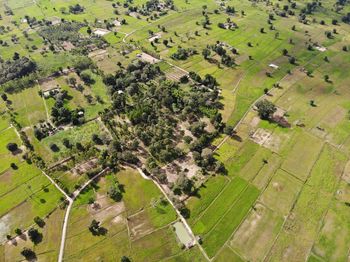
66	31
155	108
16	68
76	9
218	48
60	114
183	53
55	35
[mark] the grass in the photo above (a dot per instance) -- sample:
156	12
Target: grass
331	244
47	249
29	107
255	236
134	187
328	170
219	206
235	162
255	164
82	134
302	226
206	194
267	171
226	254
149	238
6	158
230	221
281	192
300	164
319	218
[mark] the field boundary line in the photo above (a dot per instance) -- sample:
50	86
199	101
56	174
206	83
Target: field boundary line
250	209
75	194
292	175
220	193
95	244
227	211
321	222
183	220
152	231
234	251
293	205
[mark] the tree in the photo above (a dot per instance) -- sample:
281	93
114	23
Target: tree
54	147
39	221
66	143
292	60
28	254
183	184
165	42
326	78
124	259
115	193
14	166
206	53
86	77
229	130
96	229
18	231
12	147
35	236
4	97
265	109
95	138
15	56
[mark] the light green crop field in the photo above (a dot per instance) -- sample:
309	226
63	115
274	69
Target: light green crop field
29	107
137	226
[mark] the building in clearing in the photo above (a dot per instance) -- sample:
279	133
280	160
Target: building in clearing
101	32
273	66
154	37
183	235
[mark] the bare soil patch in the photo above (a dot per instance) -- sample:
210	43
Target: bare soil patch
261	136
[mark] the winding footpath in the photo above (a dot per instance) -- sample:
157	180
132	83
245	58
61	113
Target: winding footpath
70	205
183	220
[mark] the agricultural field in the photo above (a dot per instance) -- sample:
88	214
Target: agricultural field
174	130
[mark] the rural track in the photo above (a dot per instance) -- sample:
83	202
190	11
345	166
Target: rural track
75	194
183	220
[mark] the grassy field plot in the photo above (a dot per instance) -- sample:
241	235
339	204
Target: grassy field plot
219	206
302	225
263	177
281	192
47	249
235	162
255	164
302	156
328	170
228	223
82	134
6	158
136	227
332	242
204	197
227	254
256	234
